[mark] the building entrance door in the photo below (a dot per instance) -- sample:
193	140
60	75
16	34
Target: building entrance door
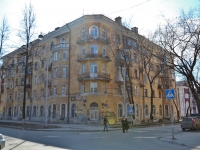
94	112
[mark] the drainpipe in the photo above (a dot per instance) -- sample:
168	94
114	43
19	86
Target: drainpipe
69	74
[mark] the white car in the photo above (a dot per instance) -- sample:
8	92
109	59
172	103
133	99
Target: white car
2	142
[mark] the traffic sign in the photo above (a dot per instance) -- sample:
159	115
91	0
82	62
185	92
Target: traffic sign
130	111
170	94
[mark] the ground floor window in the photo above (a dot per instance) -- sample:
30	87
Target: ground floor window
34	111
54	111
120	110
146	111
27	111
73	110
63	108
160	110
9	111
154	110
166	111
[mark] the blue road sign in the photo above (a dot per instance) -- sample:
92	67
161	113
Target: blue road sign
170	94
130	111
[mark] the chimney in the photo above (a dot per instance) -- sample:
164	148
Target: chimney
135	30
118	20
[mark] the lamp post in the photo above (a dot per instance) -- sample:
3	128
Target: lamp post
46	107
124	74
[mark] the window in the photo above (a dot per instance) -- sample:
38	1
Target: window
137	110
64	54
15	95
27	111
41	111
22	81
104	68
104	88
117	39
93	49
16	69
136	90
154	110
146	111
12	72
73	112
153	93
50	60
120	111
63	72
160	110
9	111
36	66
135	58
29	95
134	44
83	51
145	93
104	50
145	78
15	111
83	69
93	69
10	97
93	31
52	45
93	87
55	72
34	95
11	84
119	90
160	94
42	93
55	90
83	34
104	34
55	56
23	69
43	49
83	88
35	80
43	63
42	78
54	111
63	90
16	82
22	95
127	56
135	73
49	111
34	111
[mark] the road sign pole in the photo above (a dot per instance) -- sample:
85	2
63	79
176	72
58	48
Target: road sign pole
172	118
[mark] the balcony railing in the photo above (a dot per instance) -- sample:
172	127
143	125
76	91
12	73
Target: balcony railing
94	76
93	56
160	86
89	38
60	46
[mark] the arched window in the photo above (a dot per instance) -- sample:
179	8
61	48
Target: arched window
27	111
49	111
9	111
137	110
41	111
52	45
120	110
93	31
34	111
73	111
166	110
146	111
154	110
20	111
160	110
54	111
63	111
94	105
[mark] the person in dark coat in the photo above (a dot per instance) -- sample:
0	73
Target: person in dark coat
123	124
105	122
126	125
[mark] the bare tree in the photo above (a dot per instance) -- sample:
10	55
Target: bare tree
26	34
181	37
4	33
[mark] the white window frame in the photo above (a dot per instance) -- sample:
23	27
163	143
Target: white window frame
93	87
55	90
93	49
83	69
35	80
55	56
104	50
83	88
55	72
64	72
34	94
63	90
64	54
104	34
136	90
83	51
94	31
11	84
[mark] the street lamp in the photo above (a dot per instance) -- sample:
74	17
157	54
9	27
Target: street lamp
124	74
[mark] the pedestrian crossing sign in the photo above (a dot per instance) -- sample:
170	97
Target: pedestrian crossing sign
170	94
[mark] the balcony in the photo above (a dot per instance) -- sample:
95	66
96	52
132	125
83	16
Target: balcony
60	46
93	57
160	87
142	84
48	83
28	86
94	76
90	38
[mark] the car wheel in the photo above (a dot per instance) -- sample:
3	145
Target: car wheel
183	129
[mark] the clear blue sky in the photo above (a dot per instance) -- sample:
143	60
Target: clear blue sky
144	14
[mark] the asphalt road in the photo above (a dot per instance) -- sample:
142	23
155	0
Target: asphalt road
136	139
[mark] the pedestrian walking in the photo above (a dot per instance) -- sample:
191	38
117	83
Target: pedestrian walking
123	124
105	122
126	125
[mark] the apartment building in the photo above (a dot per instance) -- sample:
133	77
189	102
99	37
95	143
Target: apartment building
74	70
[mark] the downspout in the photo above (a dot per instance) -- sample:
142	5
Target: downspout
69	74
